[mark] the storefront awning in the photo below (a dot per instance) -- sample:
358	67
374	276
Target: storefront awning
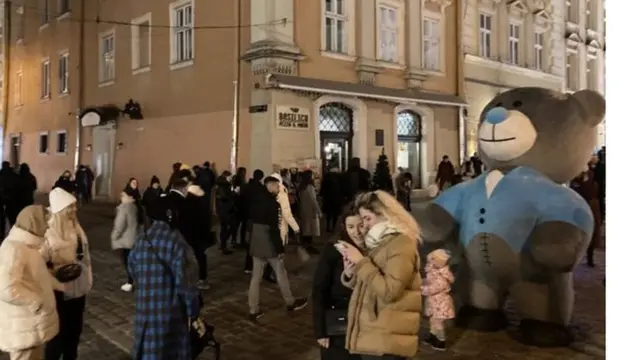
99	115
363	91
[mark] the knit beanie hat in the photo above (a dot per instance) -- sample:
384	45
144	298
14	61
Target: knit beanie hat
32	219
60	200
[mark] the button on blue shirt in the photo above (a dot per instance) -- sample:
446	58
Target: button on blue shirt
522	199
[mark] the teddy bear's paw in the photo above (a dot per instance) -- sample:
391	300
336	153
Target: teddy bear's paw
544	334
485	320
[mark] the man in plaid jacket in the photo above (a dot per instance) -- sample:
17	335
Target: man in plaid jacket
165	274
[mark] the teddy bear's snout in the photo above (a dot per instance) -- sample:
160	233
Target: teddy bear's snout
497	115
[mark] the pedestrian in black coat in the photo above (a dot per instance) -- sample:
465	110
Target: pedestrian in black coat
226	210
238	184
151	201
66	183
9	193
332	194
197	230
330	293
28	186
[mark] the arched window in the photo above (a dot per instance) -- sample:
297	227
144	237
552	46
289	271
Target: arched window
409	131
336	132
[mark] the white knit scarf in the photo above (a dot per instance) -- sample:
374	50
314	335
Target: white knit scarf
377	233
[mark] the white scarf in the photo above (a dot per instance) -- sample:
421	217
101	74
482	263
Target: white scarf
374	237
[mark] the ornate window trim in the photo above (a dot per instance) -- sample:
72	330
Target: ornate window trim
517	9
444	4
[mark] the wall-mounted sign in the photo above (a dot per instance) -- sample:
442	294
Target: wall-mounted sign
291	117
253	109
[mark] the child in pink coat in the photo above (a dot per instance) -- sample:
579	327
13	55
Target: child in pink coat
437	288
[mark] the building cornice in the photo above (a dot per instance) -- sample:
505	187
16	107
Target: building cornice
509	68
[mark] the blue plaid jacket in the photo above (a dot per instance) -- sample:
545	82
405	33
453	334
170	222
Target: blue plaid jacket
166	294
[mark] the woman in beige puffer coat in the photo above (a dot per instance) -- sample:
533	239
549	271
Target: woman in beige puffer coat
27	303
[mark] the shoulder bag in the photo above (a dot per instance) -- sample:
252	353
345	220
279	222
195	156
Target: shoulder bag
70	272
200	332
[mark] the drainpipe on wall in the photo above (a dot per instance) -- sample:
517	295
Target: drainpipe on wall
236	90
81	67
6	62
462	128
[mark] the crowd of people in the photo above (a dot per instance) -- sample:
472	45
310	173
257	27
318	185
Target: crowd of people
368	286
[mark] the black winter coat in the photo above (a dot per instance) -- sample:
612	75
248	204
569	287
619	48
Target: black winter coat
332	193
265	220
197	219
225	200
152	203
328	290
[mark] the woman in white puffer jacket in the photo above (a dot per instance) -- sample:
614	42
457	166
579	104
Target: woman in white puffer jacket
27	303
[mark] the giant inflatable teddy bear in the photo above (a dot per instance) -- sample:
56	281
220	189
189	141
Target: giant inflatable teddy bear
522	232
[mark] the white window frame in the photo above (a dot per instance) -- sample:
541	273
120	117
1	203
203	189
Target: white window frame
514	42
40	136
337	17
19	89
571	74
572	11
432	43
44	11
20	20
66	143
538	49
136	44
106	59
45	79
63	73
485	35
592	80
389	53
178	61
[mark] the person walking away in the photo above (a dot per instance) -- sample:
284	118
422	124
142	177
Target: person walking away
267	247
332	195
125	230
585	185
394	178
437	289
82	184
600	177
10	191
66	183
164	270
388	276
226	210
310	211
445	173
66	243
27	303
403	190
357	179
250	195
198	230
28	186
175	174
239	181
330	297
477	164
151	197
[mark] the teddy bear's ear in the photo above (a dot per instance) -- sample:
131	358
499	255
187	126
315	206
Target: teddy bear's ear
594	105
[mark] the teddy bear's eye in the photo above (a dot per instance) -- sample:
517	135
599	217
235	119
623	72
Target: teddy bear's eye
517	104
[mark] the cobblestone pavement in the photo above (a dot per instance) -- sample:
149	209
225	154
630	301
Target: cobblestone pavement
109	315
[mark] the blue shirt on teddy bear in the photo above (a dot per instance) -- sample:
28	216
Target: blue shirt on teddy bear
522	200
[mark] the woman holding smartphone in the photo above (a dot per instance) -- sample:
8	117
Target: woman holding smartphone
330	296
386	303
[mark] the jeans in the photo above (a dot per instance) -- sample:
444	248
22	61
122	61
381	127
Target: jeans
228	230
256	278
244	227
201	258
125	257
71	315
331	221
